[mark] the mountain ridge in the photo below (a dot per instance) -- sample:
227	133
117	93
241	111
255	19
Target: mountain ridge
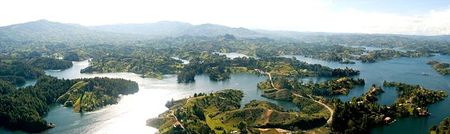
50	31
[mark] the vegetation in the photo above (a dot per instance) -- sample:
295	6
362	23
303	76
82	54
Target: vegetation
215	38
413	99
441	68
337	86
277	94
17	66
6	87
341	85
220	113
17	72
49	63
441	128
308	106
385	54
360	114
25	53
367	111
92	94
146	61
219	67
189	115
155	63
351	117
73	56
24	109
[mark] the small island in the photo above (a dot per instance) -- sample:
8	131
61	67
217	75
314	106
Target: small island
441	128
279	87
387	54
441	68
413	101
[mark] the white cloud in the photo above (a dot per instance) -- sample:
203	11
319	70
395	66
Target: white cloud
431	23
296	15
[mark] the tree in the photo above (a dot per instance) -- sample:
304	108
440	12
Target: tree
242	127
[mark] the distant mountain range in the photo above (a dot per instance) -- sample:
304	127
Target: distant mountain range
173	29
44	30
48	31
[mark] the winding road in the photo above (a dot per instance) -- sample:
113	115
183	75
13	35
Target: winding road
330	119
270	78
177	121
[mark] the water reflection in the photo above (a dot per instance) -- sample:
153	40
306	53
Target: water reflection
130	114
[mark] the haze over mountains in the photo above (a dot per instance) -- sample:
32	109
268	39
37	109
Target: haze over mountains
48	31
44	30
172	28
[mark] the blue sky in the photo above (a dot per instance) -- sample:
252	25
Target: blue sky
423	17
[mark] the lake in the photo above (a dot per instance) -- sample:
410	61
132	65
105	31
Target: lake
132	111
407	70
232	55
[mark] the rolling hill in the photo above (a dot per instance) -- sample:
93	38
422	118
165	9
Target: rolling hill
48	31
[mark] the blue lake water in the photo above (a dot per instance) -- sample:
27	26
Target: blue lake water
131	113
407	70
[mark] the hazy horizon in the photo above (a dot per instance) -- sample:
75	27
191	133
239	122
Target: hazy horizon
413	17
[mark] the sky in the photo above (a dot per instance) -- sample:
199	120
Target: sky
422	17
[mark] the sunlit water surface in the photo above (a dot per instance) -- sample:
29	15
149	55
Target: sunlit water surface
132	111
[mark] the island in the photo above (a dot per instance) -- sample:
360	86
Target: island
441	68
442	127
386	54
279	87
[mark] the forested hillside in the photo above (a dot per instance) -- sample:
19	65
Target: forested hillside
25	108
